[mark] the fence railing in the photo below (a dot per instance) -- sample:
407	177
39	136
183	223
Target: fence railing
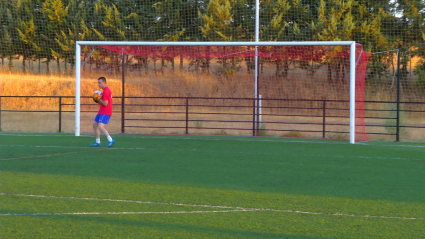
245	109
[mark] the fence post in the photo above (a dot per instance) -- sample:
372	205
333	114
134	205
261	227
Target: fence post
123	95
259	116
0	113
253	117
324	118
60	114
187	115
397	134
122	116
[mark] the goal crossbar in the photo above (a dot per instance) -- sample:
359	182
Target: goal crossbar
150	43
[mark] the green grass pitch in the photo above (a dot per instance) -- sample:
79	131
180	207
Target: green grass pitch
55	186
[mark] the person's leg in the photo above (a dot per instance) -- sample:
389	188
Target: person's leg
97	133
101	128
105	132
96	130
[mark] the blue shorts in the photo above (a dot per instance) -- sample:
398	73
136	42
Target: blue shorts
102	118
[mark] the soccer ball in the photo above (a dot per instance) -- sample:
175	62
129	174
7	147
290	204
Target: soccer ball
97	95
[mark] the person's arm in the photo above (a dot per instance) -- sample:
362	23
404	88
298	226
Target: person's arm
103	102
106	95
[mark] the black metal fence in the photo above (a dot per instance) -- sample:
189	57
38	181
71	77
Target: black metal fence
188	111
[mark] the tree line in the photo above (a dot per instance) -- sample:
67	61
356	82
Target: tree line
45	31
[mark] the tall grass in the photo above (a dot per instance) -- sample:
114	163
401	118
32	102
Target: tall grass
47	85
175	84
43	85
189	84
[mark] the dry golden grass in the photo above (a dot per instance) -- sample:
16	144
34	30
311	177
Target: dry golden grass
178	83
45	85
48	85
168	85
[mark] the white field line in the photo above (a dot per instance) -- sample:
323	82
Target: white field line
271	140
234	138
121	200
392	145
41	135
231	209
215	151
201	137
116	213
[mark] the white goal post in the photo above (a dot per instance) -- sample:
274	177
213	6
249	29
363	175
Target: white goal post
352	45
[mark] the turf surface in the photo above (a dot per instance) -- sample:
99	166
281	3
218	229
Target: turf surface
55	186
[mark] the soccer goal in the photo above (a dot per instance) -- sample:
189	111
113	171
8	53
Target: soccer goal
287	89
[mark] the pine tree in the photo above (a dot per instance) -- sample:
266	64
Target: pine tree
10	40
28	33
412	23
55	13
347	20
6	44
76	30
218	23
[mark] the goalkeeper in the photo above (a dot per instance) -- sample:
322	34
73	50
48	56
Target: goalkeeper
104	114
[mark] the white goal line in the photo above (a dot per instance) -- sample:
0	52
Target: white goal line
226	138
230	209
217	151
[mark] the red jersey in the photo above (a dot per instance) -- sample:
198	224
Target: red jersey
106	95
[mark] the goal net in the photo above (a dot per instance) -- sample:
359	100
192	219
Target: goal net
283	89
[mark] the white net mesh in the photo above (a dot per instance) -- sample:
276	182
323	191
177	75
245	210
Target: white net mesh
211	89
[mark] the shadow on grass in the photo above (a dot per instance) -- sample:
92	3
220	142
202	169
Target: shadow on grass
175	230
